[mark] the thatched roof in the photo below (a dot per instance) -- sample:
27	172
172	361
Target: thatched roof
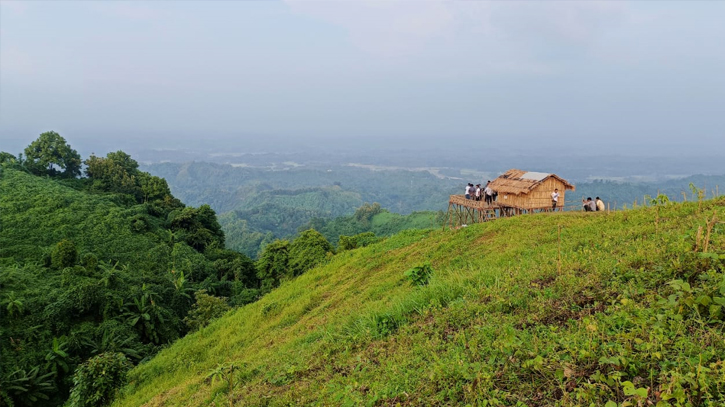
522	182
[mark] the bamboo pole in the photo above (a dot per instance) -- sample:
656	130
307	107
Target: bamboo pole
449	216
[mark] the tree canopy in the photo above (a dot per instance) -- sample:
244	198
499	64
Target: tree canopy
51	155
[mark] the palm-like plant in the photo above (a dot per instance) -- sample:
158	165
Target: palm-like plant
145	316
27	387
13	305
56	358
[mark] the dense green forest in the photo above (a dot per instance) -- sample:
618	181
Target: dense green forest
100	270
258	205
569	309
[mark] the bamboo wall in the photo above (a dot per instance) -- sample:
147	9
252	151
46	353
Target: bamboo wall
538	198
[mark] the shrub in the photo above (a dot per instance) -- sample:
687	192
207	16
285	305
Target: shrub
90	261
307	251
420	275
205	309
96	381
359	240
64	255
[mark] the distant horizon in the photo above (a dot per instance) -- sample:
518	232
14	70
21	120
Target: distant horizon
447	143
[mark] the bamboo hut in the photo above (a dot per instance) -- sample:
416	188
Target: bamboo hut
518	192
524	191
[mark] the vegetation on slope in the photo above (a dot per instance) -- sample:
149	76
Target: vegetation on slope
610	309
373	219
258	205
97	272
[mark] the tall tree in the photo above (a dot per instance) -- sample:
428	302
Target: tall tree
50	154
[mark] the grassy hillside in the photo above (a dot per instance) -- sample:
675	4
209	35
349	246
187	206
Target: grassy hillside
617	309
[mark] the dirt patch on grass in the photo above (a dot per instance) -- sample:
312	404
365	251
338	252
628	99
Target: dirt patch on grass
543	282
560	312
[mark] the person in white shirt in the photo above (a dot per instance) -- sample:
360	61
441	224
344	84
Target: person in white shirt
488	192
468	190
478	192
600	204
554	198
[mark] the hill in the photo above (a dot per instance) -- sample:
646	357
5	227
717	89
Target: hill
258	204
606	309
86	272
266	215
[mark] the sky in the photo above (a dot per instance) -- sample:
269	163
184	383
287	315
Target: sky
631	76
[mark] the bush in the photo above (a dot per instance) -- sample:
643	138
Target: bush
64	255
96	381
359	240
307	251
420	275
205	309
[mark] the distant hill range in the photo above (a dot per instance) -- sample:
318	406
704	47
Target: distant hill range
258	205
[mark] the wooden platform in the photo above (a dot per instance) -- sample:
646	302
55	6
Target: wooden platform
462	211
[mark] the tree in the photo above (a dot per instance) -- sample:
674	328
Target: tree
50	152
272	265
153	188
308	250
117	172
231	265
198	226
366	212
6	157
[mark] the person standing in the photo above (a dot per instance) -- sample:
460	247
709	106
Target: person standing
468	190
600	204
478	192
554	199
488	192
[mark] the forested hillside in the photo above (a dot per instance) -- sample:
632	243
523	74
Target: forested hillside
604	309
226	188
259	205
99	271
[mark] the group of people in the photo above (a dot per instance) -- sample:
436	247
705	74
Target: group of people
593	206
588	204
477	193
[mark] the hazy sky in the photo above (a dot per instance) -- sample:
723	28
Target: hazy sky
584	73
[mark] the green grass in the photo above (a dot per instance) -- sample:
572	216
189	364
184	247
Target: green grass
631	314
